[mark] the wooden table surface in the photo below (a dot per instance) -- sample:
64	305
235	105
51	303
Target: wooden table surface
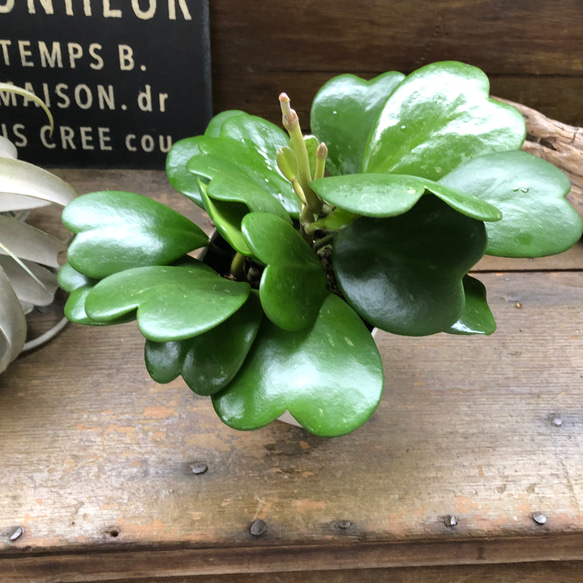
96	458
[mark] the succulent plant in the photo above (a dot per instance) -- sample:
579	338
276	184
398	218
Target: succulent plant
374	221
28	256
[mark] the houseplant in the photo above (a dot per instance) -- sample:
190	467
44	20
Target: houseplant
424	176
28	256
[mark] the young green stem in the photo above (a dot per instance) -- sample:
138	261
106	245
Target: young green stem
291	123
238	267
323	241
321	155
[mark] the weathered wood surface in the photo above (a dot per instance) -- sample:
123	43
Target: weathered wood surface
96	458
531	49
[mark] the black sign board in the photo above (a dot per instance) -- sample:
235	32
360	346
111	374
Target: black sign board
124	79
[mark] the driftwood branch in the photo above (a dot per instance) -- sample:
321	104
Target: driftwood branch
558	143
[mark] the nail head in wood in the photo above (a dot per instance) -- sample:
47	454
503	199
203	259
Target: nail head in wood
16	534
258	527
199	468
450	521
343	524
539	518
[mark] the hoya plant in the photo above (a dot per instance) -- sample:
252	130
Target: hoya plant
374	221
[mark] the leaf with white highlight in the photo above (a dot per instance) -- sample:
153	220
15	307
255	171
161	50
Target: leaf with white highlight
12	323
29	243
34	285
24	186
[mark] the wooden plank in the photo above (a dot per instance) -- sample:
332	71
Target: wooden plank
287	564
96	456
327	35
534	573
531	49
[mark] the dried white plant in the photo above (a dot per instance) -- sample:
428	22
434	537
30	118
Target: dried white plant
28	256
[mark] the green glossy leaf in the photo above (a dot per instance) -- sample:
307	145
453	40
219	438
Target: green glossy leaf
329	376
389	195
293	285
476	317
172	303
530	192
215	126
179	177
120	230
246	147
227	219
208	362
338	219
373	195
439	117
343	114
183	150
404	274
79	286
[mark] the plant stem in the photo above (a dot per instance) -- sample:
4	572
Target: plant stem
291	123
238	267
323	241
321	155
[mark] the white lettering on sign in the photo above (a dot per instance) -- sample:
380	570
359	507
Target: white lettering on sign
109	8
68	139
51	57
86	8
7	6
25	52
148	144
46	4
126	58
63	96
14	134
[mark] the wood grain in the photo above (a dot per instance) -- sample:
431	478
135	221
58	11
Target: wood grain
531	49
96	458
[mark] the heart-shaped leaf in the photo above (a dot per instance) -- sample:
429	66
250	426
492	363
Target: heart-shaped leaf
476	317
172	303
246	148
389	195
179	177
120	230
530	192
78	286
329	376
439	117
343	113
293	285
404	274
215	126
183	150
208	362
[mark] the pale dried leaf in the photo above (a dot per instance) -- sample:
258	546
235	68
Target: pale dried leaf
12	323
29	181
40	291
29	243
9	88
7	148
